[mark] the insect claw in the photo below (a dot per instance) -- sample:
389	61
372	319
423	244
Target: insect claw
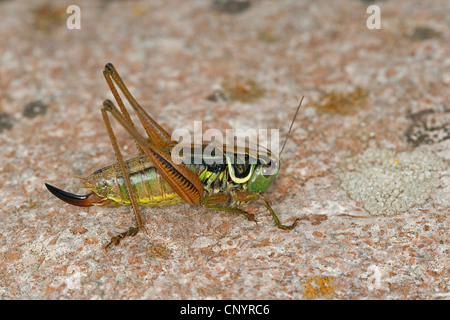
251	217
70	198
114	241
131	232
142	228
290	227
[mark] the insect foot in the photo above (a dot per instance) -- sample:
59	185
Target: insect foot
116	240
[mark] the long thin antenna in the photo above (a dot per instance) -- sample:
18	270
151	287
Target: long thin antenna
290	128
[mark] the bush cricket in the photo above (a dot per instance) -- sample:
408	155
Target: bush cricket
153	178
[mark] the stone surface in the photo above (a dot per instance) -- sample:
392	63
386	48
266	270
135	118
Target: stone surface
244	67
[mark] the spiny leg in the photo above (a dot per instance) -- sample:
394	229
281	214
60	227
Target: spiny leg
131	232
218	202
157	135
249	216
182	180
275	218
246	197
126	177
119	101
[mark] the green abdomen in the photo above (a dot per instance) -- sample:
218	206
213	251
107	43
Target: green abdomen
150	188
148	185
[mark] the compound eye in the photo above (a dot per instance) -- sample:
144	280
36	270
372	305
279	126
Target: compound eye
268	170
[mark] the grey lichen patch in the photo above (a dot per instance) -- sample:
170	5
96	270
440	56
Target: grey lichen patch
429	126
231	6
389	182
424	33
34	109
6	121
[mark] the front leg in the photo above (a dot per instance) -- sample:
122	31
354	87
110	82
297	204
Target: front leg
248	197
220	202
